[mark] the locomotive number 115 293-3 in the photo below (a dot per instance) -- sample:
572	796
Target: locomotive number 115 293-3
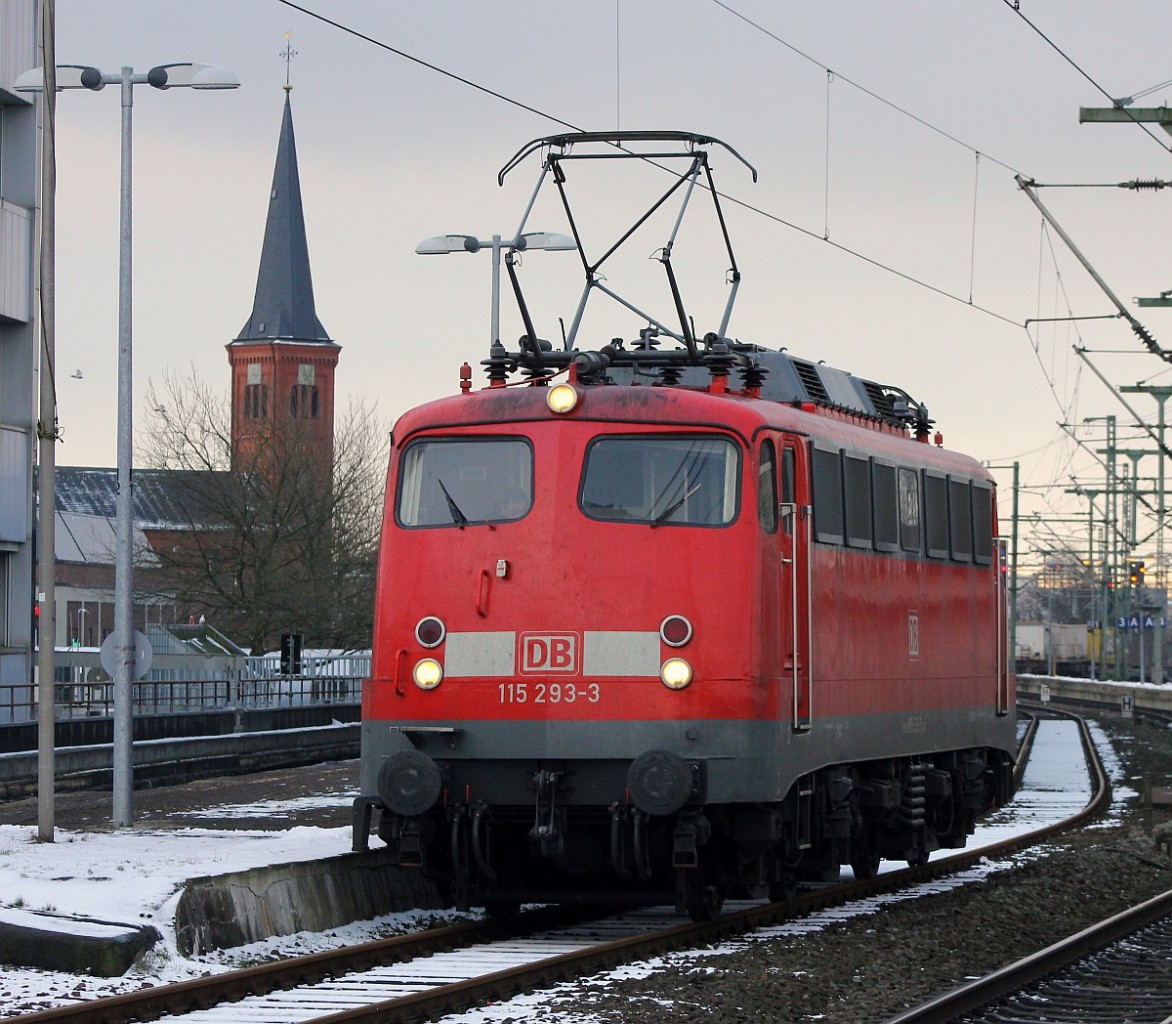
549	693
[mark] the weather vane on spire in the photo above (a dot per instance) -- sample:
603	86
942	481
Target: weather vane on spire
288	53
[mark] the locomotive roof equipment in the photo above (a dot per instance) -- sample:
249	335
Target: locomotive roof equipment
772	375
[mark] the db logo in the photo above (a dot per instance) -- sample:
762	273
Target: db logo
550	652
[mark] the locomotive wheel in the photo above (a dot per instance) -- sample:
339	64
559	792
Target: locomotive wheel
917	858
785	888
699	898
864	859
705	904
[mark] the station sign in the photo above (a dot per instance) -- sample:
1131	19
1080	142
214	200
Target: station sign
1137	622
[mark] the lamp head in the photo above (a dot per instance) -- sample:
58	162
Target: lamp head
68	76
550	240
448	243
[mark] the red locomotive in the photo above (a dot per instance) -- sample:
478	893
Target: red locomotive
692	619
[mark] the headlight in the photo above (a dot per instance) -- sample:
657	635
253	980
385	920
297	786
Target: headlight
427	673
675	673
562	398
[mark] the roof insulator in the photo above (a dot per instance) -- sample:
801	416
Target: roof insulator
498	364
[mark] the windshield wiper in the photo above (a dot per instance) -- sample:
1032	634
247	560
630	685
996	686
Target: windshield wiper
458	517
668	512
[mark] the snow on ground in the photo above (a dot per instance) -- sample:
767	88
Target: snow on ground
135	876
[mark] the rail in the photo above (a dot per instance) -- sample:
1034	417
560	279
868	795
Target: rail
1016	977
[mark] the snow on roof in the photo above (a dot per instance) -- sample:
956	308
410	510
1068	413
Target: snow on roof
163	498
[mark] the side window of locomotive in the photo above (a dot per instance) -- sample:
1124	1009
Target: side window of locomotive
661	480
458	482
982	524
767	488
856	481
960	520
826	469
788	494
909	510
936	513
885	505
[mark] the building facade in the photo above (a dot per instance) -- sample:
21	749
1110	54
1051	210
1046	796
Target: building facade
18	357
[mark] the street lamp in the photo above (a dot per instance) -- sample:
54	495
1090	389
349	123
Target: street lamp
164	76
442	244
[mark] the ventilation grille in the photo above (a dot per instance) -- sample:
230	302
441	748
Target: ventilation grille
881	399
811	381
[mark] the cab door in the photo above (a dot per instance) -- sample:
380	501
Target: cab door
781	476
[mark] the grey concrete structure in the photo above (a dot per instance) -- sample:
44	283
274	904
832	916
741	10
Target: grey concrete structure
18	352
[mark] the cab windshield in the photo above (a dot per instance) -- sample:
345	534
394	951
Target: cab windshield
661	480
449	482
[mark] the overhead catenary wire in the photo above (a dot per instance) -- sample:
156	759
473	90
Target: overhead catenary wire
743	204
851	82
1015	6
911	278
333	23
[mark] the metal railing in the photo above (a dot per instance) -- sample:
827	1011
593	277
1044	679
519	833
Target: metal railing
178	684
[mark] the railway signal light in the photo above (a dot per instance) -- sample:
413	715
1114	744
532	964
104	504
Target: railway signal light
1135	571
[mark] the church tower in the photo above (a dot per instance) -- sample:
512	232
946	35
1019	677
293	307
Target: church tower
283	360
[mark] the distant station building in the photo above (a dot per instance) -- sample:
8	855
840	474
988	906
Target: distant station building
282	372
19	330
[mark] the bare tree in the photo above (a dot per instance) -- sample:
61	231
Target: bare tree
281	538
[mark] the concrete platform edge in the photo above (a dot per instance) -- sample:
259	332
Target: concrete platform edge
224	911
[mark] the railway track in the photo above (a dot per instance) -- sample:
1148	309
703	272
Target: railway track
1116	970
473	963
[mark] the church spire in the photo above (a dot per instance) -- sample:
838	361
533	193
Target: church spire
283	308
283	361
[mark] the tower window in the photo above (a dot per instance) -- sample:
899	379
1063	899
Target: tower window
303	401
256	401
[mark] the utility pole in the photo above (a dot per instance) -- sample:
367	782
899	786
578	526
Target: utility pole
1098	582
48	435
1110	552
1161	393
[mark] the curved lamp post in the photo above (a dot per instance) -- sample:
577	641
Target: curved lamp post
163	76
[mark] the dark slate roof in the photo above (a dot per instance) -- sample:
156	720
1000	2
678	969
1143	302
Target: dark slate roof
283	308
163	498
